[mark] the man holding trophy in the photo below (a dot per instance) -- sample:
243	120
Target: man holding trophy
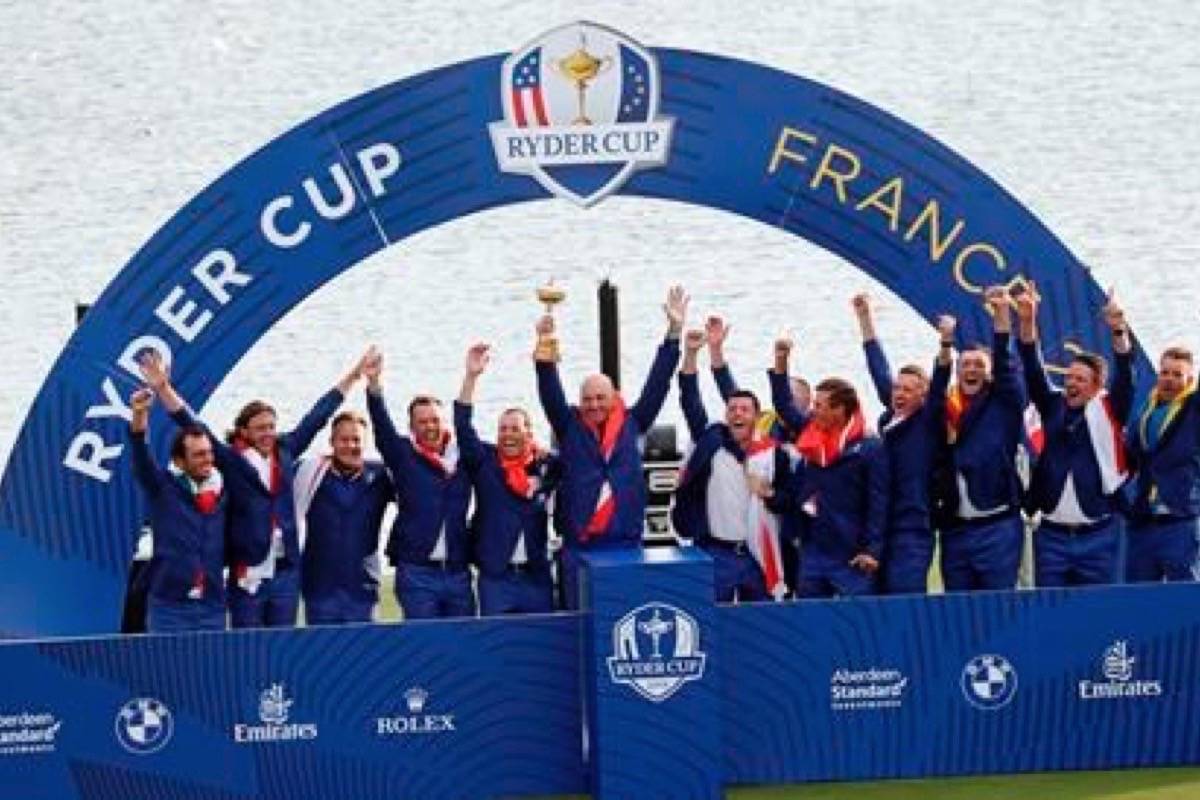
601	502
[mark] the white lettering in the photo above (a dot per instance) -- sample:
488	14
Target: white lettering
114	405
87	453
321	204
228	274
271	230
128	359
379	161
177	318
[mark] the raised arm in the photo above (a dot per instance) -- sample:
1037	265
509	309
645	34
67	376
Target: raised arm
781	388
155	373
1008	385
387	439
689	386
144	468
469	444
658	382
877	363
1036	382
549	384
935	400
716	331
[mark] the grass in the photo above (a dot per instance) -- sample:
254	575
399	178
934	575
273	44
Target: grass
1138	784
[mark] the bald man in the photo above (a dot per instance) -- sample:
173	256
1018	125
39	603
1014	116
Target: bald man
601	502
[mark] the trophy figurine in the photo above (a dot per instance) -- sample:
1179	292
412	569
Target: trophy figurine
580	67
547	341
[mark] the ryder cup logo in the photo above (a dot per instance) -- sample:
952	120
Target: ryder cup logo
989	682
580	112
656	649
144	725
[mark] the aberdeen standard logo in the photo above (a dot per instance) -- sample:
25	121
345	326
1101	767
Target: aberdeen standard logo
580	112
656	649
989	682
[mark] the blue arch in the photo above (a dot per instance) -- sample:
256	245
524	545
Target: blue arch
786	151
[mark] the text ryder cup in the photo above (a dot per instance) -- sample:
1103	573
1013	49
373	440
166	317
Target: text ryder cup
597	144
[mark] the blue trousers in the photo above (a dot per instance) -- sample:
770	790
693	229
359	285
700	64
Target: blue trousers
338	608
906	559
516	593
983	555
178	616
1163	551
1062	557
426	592
276	604
737	575
825	575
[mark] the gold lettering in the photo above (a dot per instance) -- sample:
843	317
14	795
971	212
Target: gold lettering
781	151
960	272
891	209
839	178
937	245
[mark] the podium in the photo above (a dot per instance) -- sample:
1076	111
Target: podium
652	695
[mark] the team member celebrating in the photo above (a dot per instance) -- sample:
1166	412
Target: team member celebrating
842	488
188	515
428	542
259	467
1164	447
340	500
912	427
985	415
601	502
729	478
513	479
1082	464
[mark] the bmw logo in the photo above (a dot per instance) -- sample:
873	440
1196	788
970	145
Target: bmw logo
144	725
989	682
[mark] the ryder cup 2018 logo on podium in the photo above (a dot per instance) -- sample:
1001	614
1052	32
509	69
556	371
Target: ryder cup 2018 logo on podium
656	649
580	112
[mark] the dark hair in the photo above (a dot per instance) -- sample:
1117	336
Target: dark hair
349	415
841	394
1178	353
977	347
248	412
423	400
178	447
797	379
748	394
1095	363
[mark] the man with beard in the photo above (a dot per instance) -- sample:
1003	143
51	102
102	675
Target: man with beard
258	464
340	500
188	514
1164	447
985	413
601	503
513	480
912	427
428	543
1081	468
842	488
730	478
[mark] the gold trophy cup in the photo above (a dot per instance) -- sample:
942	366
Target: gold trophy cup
581	67
547	343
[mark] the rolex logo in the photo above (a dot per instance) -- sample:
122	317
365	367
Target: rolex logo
415	698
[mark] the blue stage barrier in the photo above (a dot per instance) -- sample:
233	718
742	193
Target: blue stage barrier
767	693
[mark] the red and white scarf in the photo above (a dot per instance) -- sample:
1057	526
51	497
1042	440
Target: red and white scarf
822	448
444	456
607	435
762	526
957	404
1108	441
516	470
309	474
206	494
270	474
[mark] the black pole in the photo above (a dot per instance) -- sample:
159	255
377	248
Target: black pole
610	332
81	310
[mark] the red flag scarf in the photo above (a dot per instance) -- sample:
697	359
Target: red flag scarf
822	447
606	502
515	469
435	455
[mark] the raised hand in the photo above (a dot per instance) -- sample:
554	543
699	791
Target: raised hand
716	331
676	309
861	304
139	404
372	366
1114	314
946	325
1000	304
782	352
478	356
154	371
694	340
